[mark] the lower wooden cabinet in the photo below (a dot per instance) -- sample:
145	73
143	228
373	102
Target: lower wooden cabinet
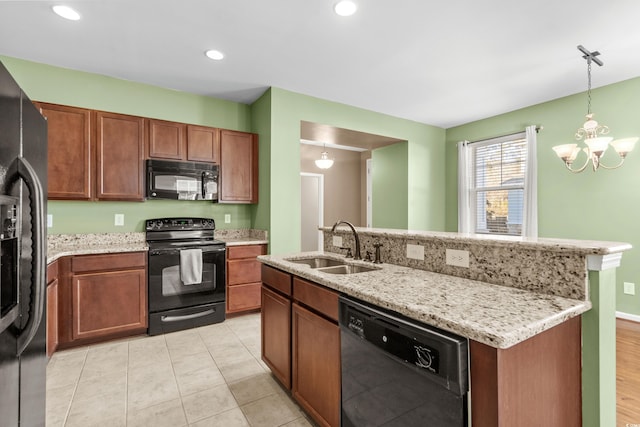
101	297
109	303
301	342
276	334
316	365
243	277
52	308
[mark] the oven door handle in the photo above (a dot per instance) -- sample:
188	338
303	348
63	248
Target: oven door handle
175	251
168	319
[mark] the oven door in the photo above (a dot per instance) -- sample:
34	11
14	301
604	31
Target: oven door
166	289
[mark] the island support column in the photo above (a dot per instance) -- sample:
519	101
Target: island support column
599	343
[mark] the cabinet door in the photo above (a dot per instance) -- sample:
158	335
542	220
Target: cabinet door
69	152
203	144
276	335
166	140
52	317
238	167
243	297
109	303
316	366
243	271
120	151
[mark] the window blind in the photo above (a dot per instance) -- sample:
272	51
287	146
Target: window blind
497	188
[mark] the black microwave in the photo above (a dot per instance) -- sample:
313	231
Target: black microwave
174	180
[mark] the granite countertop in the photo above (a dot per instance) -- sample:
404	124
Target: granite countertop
59	245
498	316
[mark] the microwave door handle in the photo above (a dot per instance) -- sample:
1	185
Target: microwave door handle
21	168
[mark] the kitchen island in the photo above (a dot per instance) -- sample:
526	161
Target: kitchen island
525	305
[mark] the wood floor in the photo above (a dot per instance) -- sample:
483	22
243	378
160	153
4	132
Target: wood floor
628	373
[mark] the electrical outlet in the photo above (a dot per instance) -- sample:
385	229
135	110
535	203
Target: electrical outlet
227	218
337	241
118	219
629	288
49	220
457	258
415	252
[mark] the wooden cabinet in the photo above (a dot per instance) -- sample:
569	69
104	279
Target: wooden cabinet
203	144
534	383
178	141
120	157
108	295
166	140
93	155
243	277
69	164
238	167
316	352
276	323
301	342
52	308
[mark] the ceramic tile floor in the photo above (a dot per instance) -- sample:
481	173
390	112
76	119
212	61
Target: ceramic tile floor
208	376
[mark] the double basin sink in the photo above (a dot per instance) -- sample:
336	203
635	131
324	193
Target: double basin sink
332	266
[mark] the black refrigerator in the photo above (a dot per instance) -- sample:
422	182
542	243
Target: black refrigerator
23	180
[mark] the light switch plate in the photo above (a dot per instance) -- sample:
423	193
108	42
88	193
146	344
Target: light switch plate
227	218
629	288
337	241
415	252
457	258
49	220
118	219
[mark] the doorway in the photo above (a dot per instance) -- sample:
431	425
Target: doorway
311	211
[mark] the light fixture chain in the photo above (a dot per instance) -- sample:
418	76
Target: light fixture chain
588	85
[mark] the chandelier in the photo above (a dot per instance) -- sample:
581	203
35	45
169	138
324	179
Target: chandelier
592	133
324	162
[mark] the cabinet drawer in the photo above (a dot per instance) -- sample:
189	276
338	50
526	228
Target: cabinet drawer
243	271
52	272
243	297
321	299
250	251
276	279
106	262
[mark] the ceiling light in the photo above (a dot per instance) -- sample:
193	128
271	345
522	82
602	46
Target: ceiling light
324	162
66	12
591	131
214	54
345	8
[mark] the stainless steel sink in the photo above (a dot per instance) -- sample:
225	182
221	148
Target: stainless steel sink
347	269
318	262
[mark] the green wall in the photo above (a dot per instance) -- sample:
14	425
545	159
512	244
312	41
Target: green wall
62	86
390	186
591	205
424	166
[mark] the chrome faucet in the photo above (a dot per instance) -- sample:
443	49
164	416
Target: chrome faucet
355	235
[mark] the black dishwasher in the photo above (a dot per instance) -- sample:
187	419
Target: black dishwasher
398	372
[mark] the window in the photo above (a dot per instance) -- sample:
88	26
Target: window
494	188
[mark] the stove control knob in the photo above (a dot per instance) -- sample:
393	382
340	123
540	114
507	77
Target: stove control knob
158	224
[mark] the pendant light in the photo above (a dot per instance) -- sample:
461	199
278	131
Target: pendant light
591	132
324	162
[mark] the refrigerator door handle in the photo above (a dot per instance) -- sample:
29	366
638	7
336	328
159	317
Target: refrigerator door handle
21	168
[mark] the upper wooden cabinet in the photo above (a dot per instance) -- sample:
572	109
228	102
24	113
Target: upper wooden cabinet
238	167
177	141
203	144
70	152
166	140
120	157
114	172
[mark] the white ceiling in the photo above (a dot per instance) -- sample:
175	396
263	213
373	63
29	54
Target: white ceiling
442	63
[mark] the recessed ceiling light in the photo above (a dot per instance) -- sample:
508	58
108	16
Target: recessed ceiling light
66	12
214	54
345	8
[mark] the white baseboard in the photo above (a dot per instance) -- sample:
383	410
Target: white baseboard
627	316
